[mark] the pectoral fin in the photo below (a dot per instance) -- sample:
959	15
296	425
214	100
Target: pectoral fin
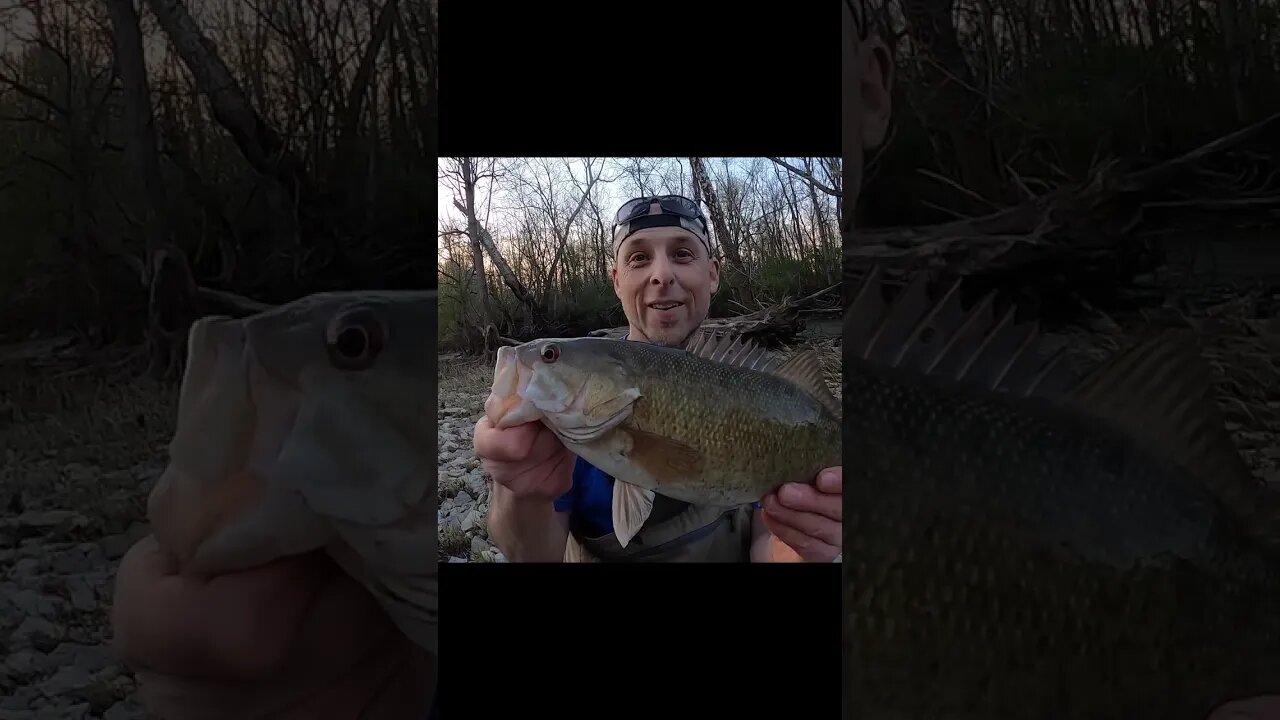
631	507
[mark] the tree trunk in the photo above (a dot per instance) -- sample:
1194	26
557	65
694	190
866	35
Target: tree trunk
171	304
260	145
504	269
949	82
468	172
727	242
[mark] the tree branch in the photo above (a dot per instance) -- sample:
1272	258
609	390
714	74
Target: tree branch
807	177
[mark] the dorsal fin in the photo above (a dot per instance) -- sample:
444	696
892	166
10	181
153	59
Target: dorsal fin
731	350
802	369
1160	392
805	370
937	336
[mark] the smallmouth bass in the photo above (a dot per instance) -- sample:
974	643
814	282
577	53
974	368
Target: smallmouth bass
717	422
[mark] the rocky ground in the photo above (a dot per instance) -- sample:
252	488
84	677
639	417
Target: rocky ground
80	451
463	489
463	486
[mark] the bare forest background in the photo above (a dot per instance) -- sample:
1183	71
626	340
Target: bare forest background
525	243
1087	153
999	101
163	159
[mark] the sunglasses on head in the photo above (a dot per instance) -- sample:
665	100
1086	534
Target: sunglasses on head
670	204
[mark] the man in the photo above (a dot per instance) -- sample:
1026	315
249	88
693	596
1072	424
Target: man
248	644
547	505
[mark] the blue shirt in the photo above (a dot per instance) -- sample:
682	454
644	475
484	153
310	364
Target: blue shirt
590	501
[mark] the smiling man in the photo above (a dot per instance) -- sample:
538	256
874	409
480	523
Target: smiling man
549	505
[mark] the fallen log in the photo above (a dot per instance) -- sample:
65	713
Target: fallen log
1107	225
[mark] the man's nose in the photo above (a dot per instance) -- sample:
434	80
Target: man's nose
663	273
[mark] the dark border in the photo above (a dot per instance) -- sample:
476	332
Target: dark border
664	79
656	640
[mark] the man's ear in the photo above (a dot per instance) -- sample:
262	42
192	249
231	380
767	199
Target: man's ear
613	275
876	87
715	275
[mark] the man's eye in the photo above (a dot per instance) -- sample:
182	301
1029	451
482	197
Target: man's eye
638	257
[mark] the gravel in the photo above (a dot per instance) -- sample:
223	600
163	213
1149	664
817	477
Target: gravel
463	490
54	599
80	447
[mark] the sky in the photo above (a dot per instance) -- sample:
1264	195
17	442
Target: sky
609	195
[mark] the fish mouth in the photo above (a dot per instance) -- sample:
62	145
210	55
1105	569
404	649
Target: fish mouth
506	405
206	483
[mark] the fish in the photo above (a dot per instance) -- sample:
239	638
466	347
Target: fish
306	427
718	421
1027	541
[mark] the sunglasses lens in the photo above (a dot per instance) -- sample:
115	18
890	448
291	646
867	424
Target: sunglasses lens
630	209
674	204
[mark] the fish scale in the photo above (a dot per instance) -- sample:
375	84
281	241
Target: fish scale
749	425
1068	576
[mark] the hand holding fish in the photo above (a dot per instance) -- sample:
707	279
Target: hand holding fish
806	519
294	638
526	459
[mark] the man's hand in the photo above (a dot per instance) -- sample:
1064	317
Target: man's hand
530	468
1264	707
806	520
528	460
295	638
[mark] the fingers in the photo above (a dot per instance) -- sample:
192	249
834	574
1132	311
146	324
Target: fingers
807	498
1266	707
549	478
340	650
527	459
526	442
343	624
227	626
809	547
511	444
810	524
809	517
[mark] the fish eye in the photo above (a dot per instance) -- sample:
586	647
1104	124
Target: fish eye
355	340
550	353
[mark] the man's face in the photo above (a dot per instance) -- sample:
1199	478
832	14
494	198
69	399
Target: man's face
868	77
664	278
